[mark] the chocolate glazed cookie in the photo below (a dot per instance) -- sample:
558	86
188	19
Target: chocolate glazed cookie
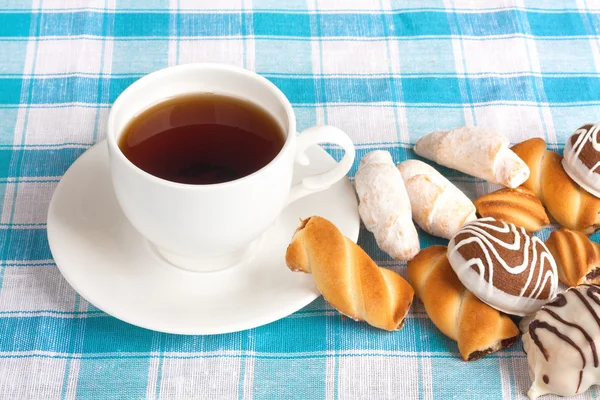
504	266
582	158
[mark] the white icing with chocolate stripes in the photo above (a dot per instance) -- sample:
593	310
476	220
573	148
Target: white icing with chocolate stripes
522	287
562	343
587	177
586	135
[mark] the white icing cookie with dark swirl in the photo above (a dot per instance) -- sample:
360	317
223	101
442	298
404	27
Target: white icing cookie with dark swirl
562	341
504	266
582	158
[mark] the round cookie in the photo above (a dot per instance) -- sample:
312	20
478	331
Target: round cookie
581	159
562	343
504	266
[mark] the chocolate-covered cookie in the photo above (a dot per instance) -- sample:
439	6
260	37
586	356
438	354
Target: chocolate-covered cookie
562	341
504	266
582	158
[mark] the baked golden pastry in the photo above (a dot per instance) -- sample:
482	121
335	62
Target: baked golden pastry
478	328
517	206
577	257
347	277
569	204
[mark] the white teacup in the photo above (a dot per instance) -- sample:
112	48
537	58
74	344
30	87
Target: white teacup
210	227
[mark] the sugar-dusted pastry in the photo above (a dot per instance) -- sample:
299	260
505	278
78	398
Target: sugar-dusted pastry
518	206
562	343
476	151
569	204
478	328
582	158
385	207
504	266
438	206
347	277
577	257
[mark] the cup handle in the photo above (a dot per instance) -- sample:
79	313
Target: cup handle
316	183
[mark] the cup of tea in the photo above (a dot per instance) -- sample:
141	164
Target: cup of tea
202	157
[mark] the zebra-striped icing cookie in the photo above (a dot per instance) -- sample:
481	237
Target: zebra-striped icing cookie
582	158
504	266
562	343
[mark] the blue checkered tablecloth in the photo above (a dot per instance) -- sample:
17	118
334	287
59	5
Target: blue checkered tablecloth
384	71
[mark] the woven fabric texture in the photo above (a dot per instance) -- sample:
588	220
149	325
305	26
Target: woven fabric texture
384	71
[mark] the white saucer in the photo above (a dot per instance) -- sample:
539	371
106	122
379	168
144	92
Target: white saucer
110	264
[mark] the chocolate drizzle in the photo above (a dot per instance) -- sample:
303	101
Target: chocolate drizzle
586	295
593	290
587	305
580	329
559	301
537	324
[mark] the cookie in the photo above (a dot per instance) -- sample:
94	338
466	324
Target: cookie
504	266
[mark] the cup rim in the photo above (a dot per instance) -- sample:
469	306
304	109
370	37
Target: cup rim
158	74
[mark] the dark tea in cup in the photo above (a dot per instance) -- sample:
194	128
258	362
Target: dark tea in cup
202	139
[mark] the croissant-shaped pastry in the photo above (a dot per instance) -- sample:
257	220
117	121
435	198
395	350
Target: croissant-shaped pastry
478	328
476	151
347	277
569	204
577	257
439	207
517	206
385	206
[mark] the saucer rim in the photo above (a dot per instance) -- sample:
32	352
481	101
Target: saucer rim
231	327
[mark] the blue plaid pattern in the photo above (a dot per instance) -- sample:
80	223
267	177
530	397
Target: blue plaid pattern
385	71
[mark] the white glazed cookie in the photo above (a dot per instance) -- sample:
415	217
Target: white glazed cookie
385	207
438	206
561	343
504	266
582	158
476	151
